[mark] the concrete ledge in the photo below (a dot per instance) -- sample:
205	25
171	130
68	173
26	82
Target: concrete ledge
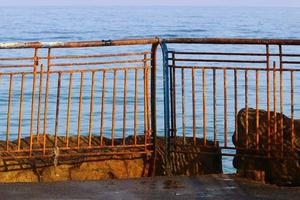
177	187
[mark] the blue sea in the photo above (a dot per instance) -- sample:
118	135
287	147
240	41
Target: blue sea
97	23
49	24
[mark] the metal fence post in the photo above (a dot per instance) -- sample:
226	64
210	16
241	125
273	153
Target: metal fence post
153	106
166	102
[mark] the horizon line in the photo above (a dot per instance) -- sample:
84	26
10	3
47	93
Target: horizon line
187	6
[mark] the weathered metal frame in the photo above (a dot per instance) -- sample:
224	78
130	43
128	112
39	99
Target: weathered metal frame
267	153
169	85
148	65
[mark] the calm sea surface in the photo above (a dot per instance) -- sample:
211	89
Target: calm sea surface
98	23
63	24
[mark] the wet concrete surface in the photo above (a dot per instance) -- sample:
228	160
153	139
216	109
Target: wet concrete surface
179	187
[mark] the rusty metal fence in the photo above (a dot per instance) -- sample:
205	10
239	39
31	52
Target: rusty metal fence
76	98
96	98
241	94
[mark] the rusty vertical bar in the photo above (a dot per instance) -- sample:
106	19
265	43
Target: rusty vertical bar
135	105
91	109
246	106
174	95
21	112
257	109
183	106
39	103
8	112
292	112
113	119
102	107
174	100
170	68
145	98
274	103
268	100
46	100
79	110
148	105
281	99
215	106
124	107
148	131
194	106
204	104
235	106
57	109
35	64
225	107
69	110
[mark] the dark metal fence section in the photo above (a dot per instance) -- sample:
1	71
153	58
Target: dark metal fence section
214	85
86	98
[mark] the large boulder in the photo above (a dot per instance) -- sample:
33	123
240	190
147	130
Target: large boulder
281	164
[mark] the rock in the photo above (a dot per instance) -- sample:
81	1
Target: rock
109	169
136	168
189	159
91	171
283	167
55	173
18	176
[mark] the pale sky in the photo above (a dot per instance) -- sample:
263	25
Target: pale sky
252	3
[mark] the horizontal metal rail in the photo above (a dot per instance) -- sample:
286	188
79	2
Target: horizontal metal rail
249	41
232	68
22	45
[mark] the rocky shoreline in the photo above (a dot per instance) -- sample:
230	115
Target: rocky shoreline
184	161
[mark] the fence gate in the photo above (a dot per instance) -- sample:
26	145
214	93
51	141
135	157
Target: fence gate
236	95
